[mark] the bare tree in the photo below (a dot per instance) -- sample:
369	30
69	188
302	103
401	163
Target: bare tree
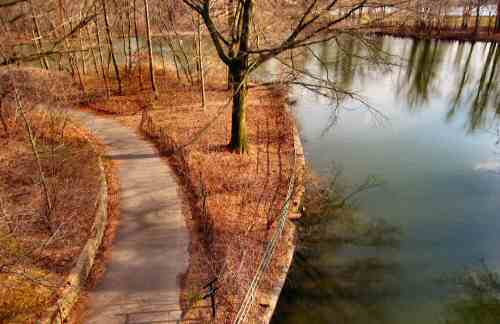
110	44
38	36
200	63
236	45
46	25
150	48
47	211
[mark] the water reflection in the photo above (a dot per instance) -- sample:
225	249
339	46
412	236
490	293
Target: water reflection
464	79
487	94
340	290
422	72
348	59
474	85
480	301
479	94
436	154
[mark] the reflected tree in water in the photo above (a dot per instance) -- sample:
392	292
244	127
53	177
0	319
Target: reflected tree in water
348	63
465	78
478	92
349	59
347	291
480	301
487	88
423	71
345	64
481	94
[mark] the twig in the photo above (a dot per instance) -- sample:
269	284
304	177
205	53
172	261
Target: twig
43	180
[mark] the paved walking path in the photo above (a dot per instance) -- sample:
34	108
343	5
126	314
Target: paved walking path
141	284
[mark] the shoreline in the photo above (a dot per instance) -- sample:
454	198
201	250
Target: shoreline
294	214
453	35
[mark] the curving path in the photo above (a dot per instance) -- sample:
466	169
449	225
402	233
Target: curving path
141	284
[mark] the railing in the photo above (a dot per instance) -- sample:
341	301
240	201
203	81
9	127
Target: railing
249	299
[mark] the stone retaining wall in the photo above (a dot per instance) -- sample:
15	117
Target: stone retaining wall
272	296
69	294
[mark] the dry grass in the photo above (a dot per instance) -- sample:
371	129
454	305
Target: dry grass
34	259
137	94
73	178
233	199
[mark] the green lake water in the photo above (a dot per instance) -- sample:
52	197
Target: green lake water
436	150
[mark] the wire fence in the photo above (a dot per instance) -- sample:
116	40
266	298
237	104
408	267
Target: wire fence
292	200
249	299
168	145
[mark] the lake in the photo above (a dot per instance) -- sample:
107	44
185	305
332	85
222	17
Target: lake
433	142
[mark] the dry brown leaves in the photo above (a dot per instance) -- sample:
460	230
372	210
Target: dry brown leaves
242	193
36	259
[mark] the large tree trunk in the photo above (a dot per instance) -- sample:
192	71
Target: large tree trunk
239	139
239	69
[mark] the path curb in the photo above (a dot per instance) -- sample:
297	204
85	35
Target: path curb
74	282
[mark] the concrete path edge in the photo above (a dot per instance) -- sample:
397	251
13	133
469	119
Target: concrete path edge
69	294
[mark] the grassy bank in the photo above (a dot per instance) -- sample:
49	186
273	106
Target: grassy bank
48	187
